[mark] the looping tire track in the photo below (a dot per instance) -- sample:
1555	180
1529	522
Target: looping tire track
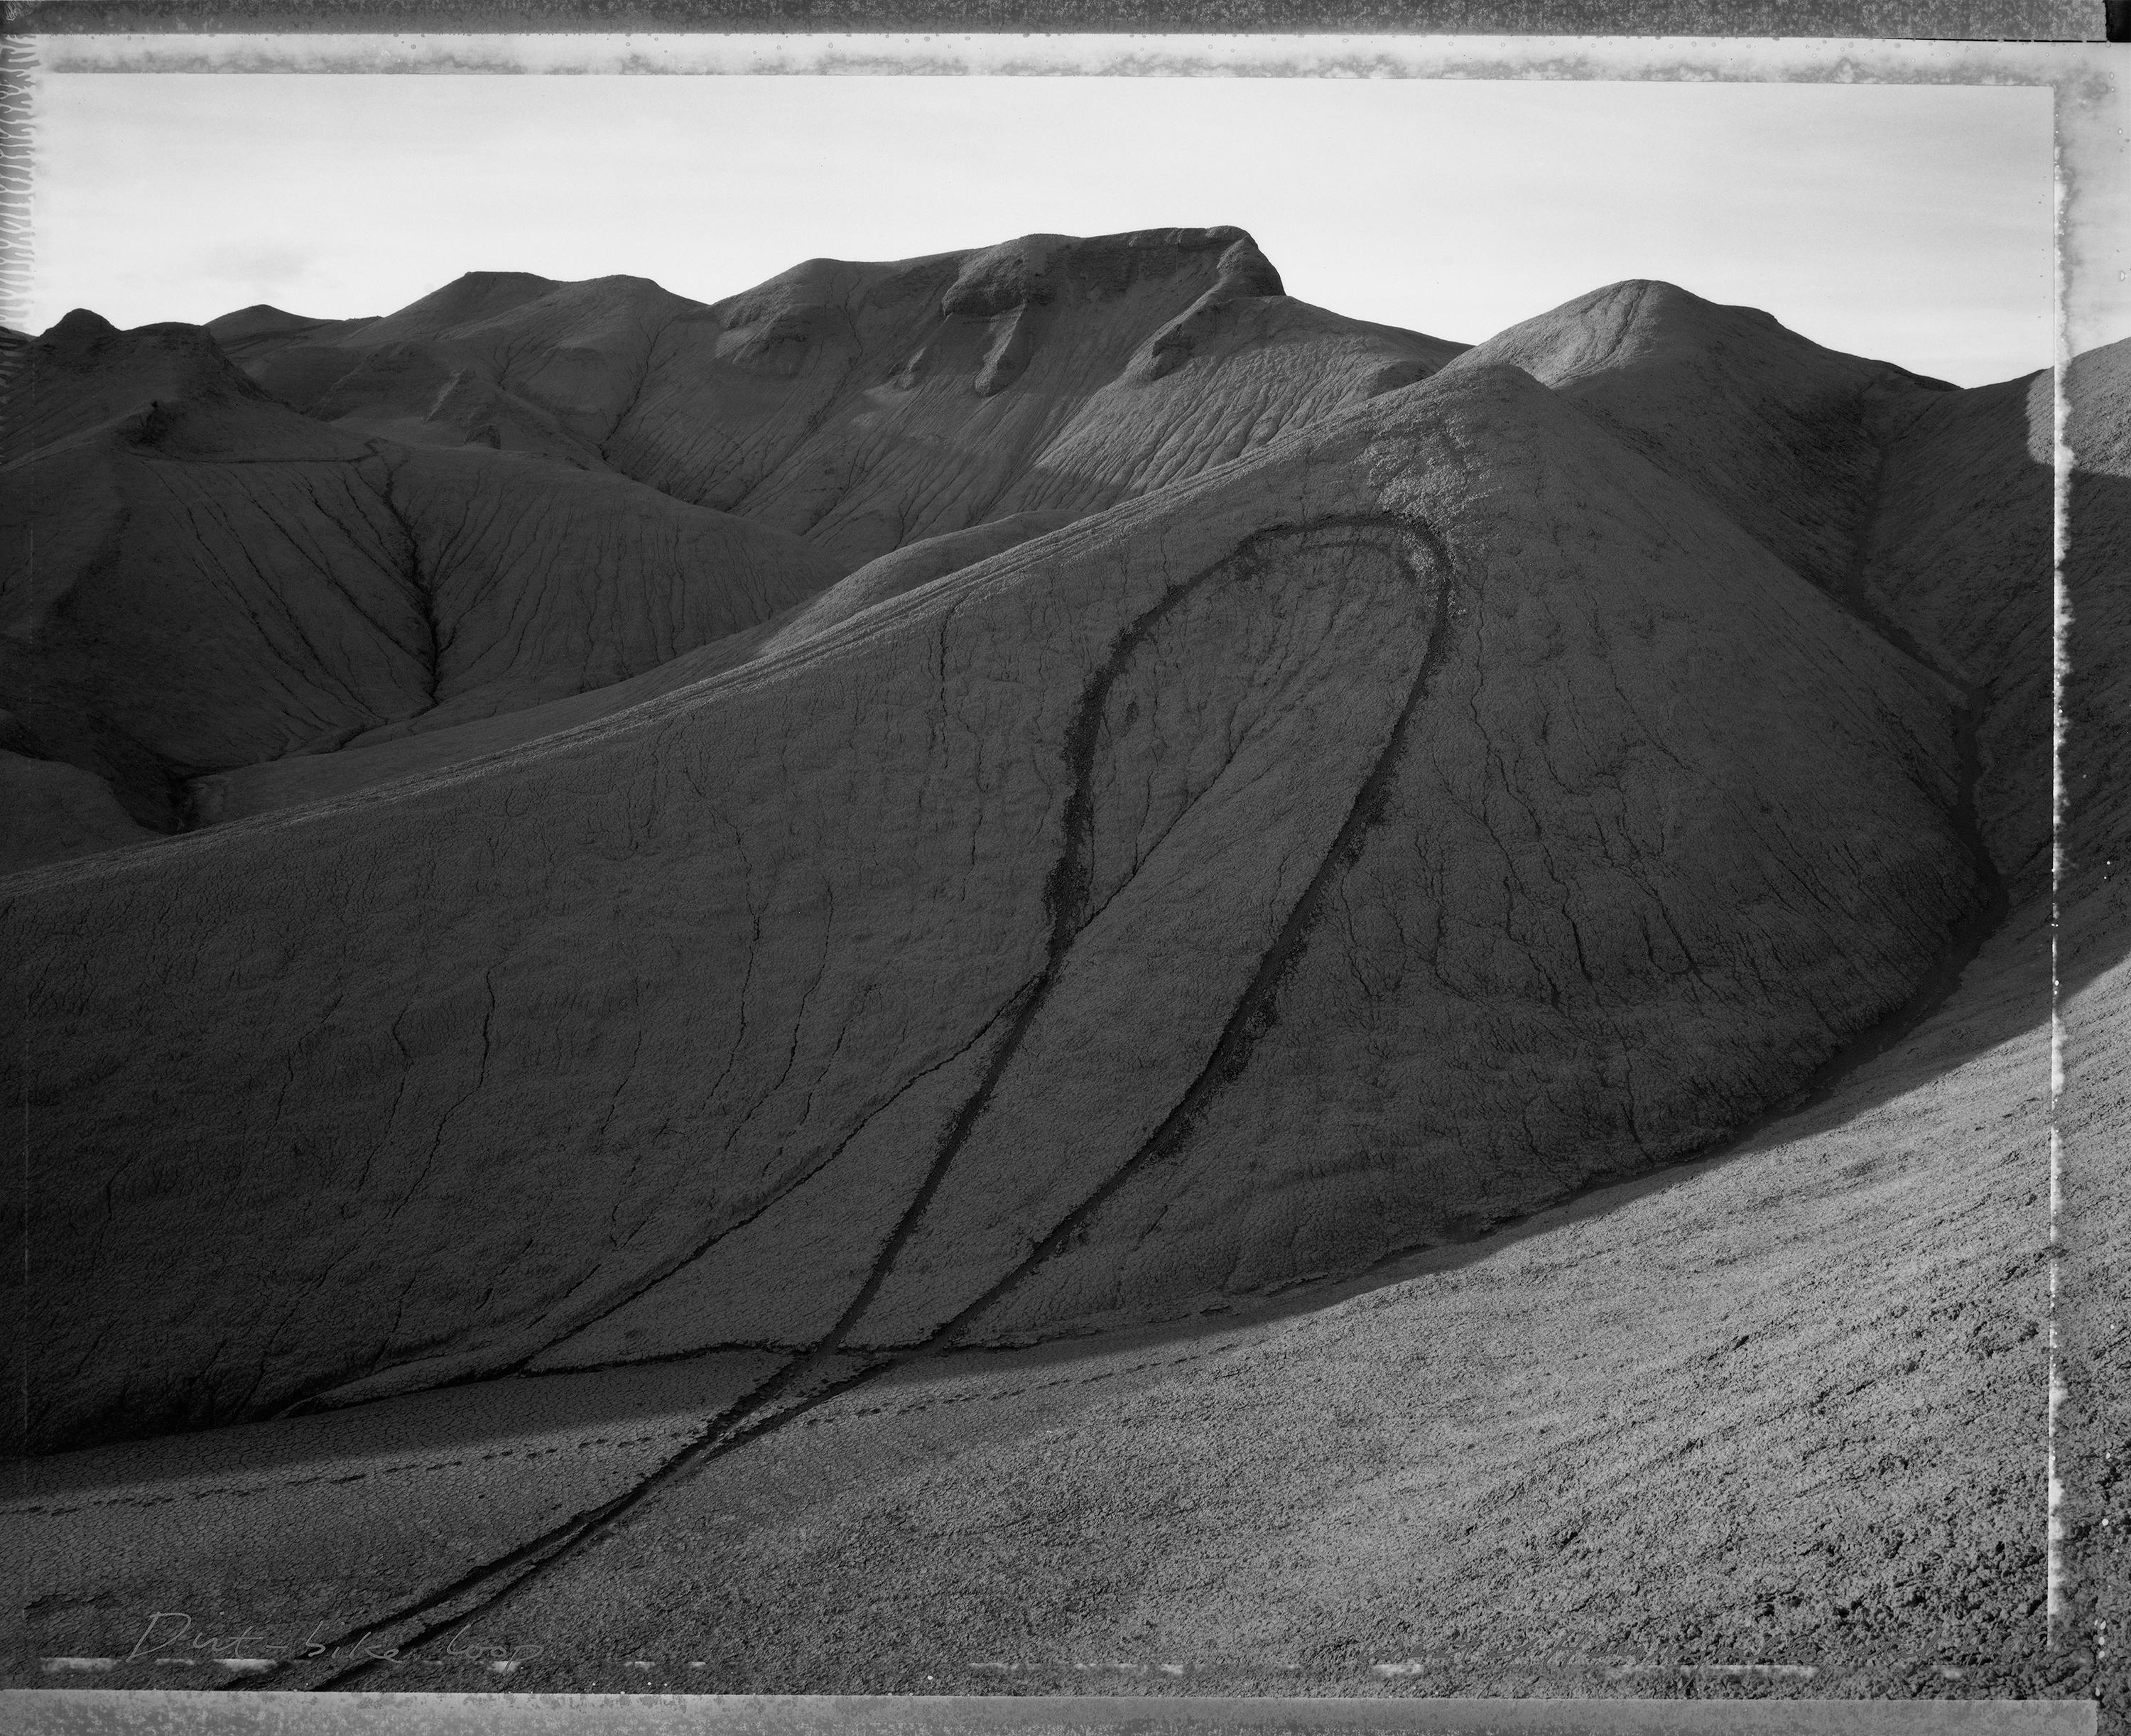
1067	890
749	1418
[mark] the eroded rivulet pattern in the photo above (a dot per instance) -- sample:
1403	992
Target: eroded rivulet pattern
1187	899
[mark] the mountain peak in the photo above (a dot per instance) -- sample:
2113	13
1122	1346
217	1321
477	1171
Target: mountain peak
1042	268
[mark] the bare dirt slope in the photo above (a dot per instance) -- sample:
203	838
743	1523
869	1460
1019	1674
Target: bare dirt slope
1785	1409
195	575
1714	1424
1328	855
50	811
971	1018
435	744
198	578
513	491
1924	508
1773	428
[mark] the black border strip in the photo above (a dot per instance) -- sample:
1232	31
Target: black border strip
136	1712
1979	20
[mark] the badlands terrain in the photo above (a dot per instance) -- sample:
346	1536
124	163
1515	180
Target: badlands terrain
1033	971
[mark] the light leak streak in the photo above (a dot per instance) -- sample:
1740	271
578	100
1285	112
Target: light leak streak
2061	457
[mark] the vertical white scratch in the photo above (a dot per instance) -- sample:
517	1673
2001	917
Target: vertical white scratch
2060	622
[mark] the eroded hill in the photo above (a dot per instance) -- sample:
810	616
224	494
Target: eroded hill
516	491
865	406
954	801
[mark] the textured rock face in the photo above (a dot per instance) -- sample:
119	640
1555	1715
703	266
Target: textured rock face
1441	809
1950	567
218	583
1773	428
868	406
434	744
1923	508
196	577
542	581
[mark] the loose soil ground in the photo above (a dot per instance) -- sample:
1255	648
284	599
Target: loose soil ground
1774	1423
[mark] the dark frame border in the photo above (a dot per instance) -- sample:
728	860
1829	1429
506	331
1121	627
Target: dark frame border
1978	21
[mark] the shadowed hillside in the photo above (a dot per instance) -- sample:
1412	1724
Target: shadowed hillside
864	406
1464	798
1037	969
200	577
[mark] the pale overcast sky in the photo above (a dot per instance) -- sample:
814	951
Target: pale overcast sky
1910	222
